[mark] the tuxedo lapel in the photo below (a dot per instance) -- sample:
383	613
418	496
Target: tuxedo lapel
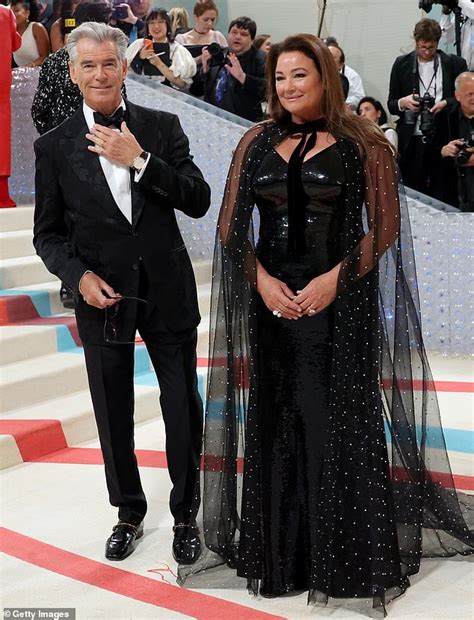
86	165
141	128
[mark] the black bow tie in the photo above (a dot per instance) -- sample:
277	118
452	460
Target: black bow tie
115	120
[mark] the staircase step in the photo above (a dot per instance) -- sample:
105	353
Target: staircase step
45	296
67	421
16	243
10	455
42	378
21	343
23	271
19	218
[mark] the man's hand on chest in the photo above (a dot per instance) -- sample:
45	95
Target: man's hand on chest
120	147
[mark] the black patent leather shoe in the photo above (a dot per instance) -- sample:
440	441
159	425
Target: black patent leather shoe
123	540
186	543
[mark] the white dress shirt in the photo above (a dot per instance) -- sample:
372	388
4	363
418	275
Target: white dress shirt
116	175
356	88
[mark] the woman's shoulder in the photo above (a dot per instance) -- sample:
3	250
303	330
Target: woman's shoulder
38	27
184	38
220	38
133	49
261	129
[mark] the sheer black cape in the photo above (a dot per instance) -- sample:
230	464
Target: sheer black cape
396	502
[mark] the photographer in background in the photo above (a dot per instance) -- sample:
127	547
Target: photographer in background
421	86
234	79
448	27
129	16
458	147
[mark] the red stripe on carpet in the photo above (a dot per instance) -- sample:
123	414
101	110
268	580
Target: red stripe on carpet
157	459
125	583
35	438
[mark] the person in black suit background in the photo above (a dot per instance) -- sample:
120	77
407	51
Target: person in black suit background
108	181
425	70
457	146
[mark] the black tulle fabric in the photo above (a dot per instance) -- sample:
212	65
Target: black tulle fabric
324	462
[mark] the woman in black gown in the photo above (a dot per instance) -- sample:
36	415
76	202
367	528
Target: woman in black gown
316	346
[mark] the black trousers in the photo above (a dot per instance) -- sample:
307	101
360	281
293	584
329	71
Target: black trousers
110	369
421	168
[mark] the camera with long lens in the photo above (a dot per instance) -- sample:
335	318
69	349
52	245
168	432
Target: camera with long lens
427	5
427	118
219	55
463	155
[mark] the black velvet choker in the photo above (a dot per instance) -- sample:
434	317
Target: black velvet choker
297	197
319	124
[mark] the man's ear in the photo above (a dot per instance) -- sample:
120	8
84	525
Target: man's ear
72	73
124	67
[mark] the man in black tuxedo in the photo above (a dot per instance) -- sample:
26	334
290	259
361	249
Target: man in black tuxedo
108	181
425	70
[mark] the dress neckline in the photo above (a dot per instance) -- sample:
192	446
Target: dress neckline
309	158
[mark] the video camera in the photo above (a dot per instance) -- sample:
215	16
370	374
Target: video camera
427	5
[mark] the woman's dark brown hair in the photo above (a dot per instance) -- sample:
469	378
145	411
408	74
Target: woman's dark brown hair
341	122
201	7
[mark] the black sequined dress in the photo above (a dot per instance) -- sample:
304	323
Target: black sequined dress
294	365
324	461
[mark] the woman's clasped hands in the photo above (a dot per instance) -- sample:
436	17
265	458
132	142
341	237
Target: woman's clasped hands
317	295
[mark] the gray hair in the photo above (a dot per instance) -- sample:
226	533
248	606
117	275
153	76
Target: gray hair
466	75
100	33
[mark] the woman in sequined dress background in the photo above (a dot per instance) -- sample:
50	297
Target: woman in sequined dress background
315	345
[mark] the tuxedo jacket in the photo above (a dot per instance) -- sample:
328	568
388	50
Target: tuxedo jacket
404	80
78	225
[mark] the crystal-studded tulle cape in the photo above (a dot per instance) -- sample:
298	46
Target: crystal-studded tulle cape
387	495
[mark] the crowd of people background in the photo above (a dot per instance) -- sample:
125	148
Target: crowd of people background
228	70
